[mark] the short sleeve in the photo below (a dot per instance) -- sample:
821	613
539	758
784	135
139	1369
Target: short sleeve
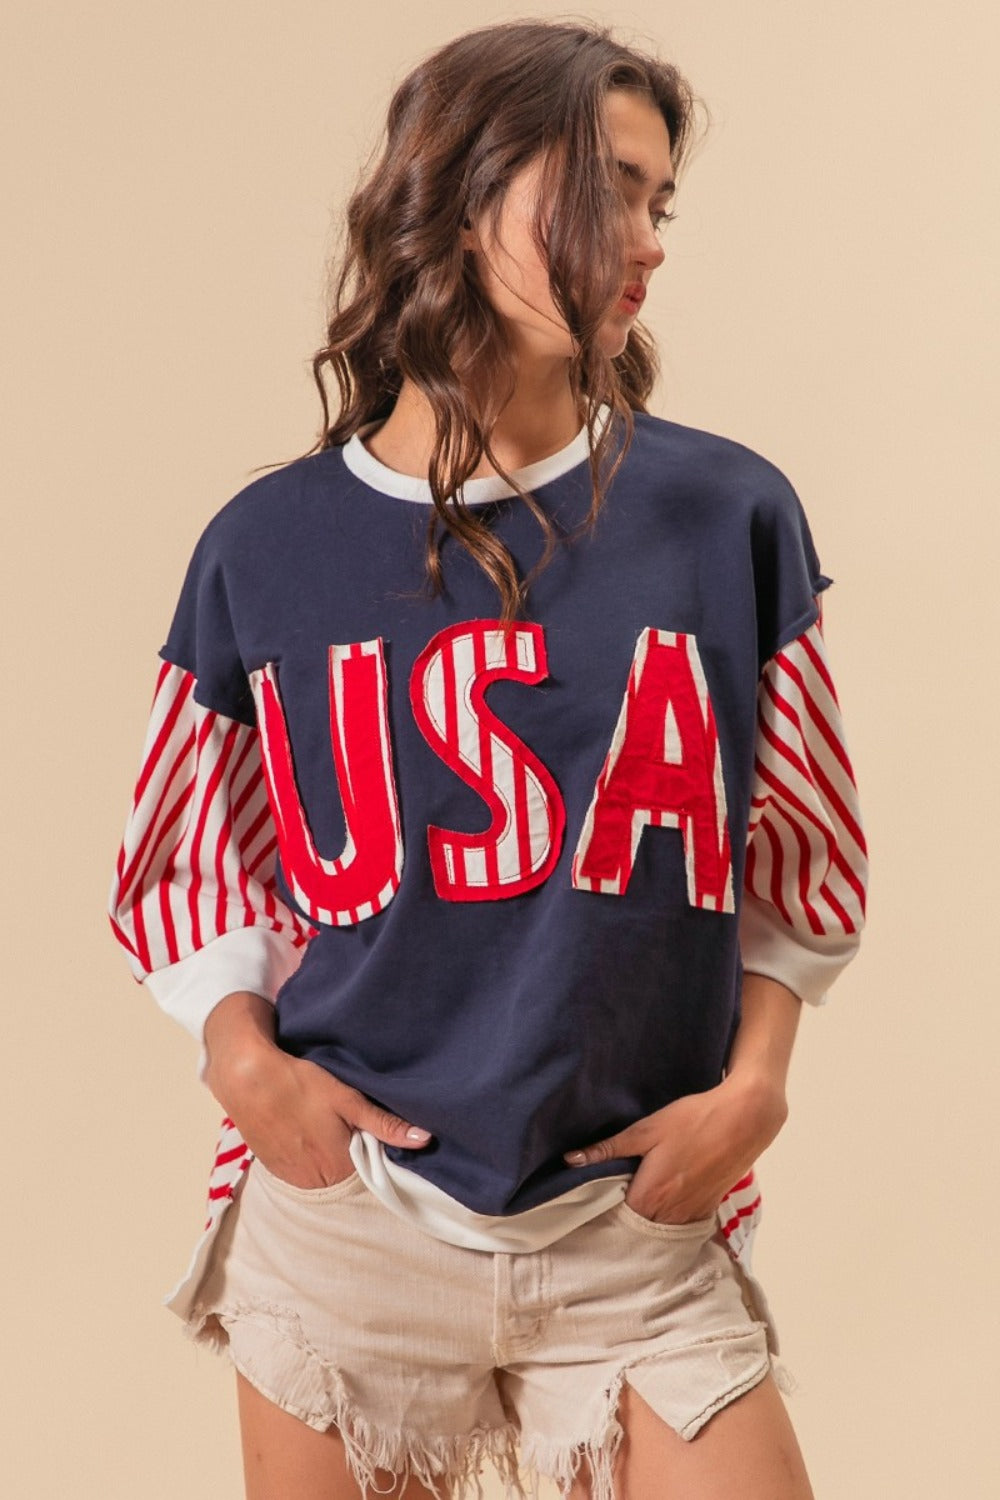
788	579
202	636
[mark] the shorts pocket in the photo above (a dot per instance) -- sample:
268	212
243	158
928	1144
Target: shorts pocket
694	1229
327	1194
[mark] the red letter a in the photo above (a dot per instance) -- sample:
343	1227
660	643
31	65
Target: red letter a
663	768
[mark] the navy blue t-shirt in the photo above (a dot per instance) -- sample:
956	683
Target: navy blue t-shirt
517	1026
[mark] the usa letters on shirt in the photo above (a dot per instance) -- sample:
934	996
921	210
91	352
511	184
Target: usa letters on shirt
662	769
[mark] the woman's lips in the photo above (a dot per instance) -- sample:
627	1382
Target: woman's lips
633	297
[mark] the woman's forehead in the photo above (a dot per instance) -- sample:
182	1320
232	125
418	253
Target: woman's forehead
640	139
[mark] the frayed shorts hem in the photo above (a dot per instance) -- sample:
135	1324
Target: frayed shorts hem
449	1466
456	1463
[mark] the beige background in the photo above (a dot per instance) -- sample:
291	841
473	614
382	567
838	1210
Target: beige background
829	299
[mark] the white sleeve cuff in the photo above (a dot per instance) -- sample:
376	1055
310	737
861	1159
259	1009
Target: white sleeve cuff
257	959
806	963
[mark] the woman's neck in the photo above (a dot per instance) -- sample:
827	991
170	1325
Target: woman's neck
532	426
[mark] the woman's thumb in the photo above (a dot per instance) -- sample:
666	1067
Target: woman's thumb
390	1128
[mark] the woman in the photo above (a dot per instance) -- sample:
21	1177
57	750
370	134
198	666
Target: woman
495	1078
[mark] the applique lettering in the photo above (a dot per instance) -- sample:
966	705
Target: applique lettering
447	687
662	769
365	878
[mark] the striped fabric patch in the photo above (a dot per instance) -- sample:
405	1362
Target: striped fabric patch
199	854
807	854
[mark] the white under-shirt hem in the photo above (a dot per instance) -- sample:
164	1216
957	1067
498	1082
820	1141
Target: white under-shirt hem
414	1199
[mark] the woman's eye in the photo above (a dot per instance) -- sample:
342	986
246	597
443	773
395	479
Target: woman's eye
659	220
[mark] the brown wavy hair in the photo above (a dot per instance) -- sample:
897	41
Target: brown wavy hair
407	299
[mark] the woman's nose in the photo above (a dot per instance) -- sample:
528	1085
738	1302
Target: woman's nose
649	248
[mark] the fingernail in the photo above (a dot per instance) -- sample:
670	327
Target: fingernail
576	1158
416	1134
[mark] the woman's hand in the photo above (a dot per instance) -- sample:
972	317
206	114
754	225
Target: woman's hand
694	1149
294	1115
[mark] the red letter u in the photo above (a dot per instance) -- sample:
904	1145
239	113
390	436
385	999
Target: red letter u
366	876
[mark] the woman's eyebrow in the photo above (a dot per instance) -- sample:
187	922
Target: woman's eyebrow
632	170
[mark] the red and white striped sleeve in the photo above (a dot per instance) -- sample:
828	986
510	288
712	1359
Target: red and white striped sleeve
806	874
193	899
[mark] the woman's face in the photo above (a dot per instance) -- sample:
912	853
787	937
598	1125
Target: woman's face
511	269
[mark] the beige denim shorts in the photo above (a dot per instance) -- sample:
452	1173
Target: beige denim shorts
432	1359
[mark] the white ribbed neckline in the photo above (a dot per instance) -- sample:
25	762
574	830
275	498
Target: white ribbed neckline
379	476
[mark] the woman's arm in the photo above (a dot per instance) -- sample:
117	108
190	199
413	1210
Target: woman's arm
762	1048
